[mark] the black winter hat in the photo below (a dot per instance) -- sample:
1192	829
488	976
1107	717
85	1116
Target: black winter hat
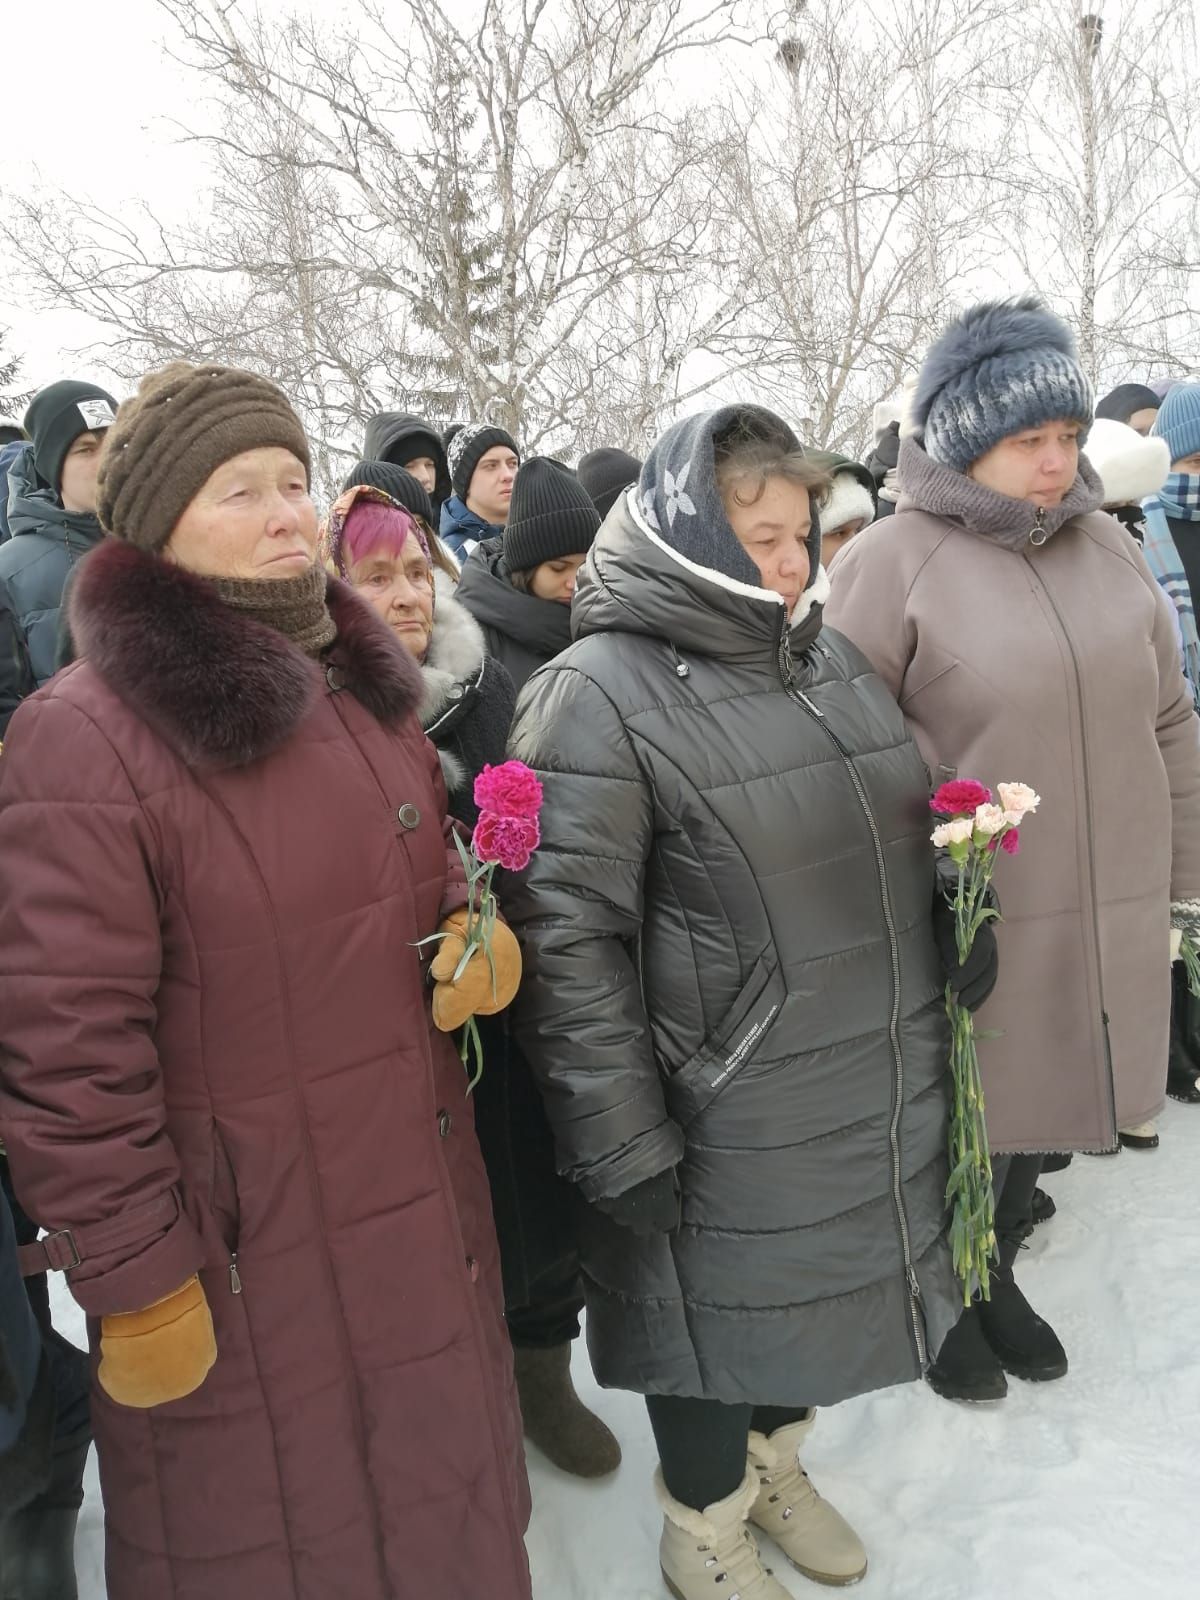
467	447
1120	403
549	516
56	418
604	473
396	483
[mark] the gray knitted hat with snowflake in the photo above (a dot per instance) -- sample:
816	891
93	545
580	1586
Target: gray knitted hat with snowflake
678	496
1000	368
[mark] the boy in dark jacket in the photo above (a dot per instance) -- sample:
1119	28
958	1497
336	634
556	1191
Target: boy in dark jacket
52	519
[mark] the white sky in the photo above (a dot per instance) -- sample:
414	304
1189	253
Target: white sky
87	106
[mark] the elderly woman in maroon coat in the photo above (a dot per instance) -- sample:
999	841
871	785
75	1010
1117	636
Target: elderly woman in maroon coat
222	839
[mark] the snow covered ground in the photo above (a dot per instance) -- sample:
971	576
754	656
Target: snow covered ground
1081	1490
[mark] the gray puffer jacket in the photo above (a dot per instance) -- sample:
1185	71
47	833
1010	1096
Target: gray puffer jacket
731	971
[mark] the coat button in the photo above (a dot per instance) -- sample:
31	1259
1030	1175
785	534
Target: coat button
408	816
445	1123
455	692
473	1269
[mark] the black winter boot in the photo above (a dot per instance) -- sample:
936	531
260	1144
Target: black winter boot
966	1368
37	1543
1024	1345
1043	1206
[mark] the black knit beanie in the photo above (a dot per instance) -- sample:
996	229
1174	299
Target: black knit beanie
549	516
604	473
468	446
396	483
56	418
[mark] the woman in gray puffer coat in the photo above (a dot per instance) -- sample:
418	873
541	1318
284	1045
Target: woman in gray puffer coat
734	997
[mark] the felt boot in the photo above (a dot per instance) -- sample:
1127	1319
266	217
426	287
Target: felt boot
556	1419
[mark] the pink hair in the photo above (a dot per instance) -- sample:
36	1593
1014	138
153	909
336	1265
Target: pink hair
373	527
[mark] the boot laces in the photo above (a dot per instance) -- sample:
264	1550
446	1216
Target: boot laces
737	1562
794	1487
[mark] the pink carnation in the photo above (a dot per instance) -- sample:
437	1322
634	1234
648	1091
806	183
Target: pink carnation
510	790
960	797
1009	842
508	841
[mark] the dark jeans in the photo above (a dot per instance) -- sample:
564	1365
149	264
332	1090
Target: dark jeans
702	1443
552	1316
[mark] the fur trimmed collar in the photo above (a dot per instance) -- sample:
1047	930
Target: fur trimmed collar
455	657
221	689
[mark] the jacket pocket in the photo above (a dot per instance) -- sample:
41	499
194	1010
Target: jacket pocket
223	1194
731	1045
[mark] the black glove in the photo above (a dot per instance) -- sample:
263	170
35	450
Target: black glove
973	979
650	1207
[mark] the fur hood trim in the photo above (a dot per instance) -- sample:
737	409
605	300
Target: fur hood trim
848	500
222	689
1130	467
456	655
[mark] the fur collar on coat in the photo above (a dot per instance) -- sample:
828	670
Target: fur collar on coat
221	689
456	655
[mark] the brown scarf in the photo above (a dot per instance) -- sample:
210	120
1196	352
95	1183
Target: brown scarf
294	607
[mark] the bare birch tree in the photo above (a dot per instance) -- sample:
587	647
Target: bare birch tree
1098	187
858	200
410	209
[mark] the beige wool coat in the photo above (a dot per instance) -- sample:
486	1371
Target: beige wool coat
1039	649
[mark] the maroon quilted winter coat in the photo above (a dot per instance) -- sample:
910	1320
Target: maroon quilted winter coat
215	859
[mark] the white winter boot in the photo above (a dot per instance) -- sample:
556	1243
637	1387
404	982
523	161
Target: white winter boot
815	1538
710	1554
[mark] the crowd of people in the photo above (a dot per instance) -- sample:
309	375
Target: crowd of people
332	1287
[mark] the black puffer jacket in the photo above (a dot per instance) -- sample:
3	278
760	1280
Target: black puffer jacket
46	543
521	631
731	970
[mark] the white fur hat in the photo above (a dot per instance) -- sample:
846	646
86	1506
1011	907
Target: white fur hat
848	500
1130	467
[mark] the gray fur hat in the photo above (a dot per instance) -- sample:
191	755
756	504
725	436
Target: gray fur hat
1001	367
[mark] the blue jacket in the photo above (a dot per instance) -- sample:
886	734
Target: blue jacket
461	530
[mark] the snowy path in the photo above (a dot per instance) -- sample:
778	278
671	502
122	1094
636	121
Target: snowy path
1081	1490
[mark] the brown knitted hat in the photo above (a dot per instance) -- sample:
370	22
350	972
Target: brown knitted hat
171	436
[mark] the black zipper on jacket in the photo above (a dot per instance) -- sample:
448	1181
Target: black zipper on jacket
910	1272
1091	840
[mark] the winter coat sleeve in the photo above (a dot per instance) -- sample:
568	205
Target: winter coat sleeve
16	674
578	911
866	606
81	1093
1178	732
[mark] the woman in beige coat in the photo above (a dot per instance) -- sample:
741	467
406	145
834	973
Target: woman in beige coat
1025	639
